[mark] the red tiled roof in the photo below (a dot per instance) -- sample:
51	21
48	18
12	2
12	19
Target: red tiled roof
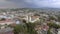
7	20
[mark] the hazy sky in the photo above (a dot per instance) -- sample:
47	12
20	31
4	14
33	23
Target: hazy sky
29	3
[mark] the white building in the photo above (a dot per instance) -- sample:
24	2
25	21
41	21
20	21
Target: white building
32	18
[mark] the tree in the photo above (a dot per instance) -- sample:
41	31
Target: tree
59	18
18	29
2	19
48	32
27	28
52	18
30	28
53	25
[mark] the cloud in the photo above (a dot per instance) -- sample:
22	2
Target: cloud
29	3
7	4
11	4
44	3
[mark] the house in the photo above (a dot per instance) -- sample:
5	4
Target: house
6	21
53	31
32	18
29	17
6	31
58	31
45	27
41	29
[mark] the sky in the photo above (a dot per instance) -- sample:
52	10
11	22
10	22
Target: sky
29	3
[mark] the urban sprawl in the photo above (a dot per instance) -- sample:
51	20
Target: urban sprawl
30	21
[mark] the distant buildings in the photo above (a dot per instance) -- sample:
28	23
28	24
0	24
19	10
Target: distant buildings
7	31
16	17
6	21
